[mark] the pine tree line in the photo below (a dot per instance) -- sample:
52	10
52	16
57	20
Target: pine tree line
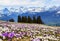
28	19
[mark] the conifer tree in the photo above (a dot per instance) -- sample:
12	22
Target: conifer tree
29	20
24	19
11	20
34	19
19	19
39	21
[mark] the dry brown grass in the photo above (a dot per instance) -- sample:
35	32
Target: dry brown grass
15	39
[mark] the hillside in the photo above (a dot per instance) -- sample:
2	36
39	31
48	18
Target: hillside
26	31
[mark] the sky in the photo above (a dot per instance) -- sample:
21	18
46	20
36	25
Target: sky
38	3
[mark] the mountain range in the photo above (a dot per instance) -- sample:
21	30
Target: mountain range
49	16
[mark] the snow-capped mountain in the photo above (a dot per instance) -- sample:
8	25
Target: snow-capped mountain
49	16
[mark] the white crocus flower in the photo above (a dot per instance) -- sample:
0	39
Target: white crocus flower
1	40
1	28
3	37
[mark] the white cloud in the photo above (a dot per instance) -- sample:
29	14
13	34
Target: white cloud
20	2
58	12
29	2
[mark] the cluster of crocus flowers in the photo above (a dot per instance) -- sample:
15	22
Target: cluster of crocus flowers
10	33
20	31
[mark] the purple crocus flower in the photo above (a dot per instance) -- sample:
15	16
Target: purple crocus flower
36	39
20	34
11	34
5	34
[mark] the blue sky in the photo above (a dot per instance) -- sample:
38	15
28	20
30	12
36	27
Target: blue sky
38	3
